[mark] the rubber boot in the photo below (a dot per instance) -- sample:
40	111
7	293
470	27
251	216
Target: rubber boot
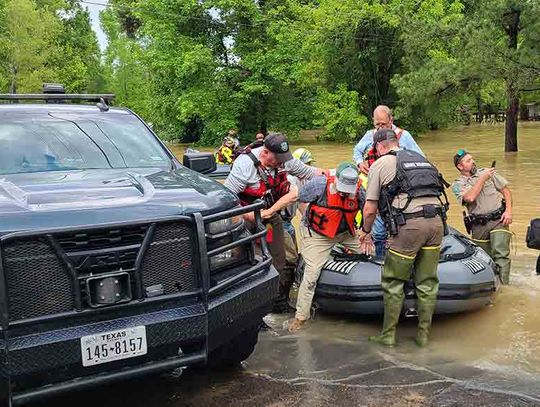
426	282
485	245
396	271
500	252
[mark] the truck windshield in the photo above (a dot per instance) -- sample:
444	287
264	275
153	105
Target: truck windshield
59	142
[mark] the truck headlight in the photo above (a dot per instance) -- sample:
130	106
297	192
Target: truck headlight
229	258
224	225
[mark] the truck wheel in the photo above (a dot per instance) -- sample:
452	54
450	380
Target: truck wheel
5	396
238	349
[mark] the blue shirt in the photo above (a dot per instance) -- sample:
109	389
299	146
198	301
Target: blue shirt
406	142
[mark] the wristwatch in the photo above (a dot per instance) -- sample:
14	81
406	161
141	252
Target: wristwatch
365	231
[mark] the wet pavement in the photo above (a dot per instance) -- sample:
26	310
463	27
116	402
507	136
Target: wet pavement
331	363
485	358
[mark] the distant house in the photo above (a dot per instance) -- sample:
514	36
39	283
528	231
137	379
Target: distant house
532	111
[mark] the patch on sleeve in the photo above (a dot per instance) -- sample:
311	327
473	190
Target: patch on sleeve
456	189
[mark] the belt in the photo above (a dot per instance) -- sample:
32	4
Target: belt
428	211
476	219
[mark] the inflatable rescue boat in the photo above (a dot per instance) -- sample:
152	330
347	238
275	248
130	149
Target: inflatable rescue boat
351	283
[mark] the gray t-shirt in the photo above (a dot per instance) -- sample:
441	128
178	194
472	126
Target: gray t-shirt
244	174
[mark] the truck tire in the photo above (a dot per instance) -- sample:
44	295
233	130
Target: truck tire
238	349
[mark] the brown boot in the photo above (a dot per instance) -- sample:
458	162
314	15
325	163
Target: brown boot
296	324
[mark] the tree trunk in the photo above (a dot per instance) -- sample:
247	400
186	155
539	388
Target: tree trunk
512	27
510	133
13	84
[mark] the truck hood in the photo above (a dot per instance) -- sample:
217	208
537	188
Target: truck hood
79	198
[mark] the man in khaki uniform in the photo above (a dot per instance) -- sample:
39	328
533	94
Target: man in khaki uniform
406	189
487	198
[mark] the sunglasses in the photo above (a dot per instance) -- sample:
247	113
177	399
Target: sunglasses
461	152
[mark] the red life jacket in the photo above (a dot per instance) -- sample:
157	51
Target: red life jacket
371	155
325	216
272	185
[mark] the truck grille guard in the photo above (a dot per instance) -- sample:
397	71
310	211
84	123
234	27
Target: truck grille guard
140	253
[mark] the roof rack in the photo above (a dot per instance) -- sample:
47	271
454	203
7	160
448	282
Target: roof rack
56	96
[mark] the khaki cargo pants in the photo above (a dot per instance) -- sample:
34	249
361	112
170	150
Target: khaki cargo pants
315	251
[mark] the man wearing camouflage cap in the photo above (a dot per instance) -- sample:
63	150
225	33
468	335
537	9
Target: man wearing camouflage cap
334	201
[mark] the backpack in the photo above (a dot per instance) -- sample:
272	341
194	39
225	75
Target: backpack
533	234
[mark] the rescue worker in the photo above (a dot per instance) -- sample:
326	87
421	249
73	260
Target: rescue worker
364	155
333	201
288	213
488	200
406	189
225	153
261	173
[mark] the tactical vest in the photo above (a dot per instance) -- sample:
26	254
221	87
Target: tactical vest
325	216
417	178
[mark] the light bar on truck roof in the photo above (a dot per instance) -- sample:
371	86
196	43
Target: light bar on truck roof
57	96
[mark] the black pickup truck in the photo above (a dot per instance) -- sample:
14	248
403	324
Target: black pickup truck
116	260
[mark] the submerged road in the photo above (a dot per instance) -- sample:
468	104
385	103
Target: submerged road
331	363
486	358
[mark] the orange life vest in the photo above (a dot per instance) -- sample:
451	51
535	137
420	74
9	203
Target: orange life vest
371	155
325	216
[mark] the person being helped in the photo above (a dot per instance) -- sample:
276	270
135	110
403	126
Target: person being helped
406	189
261	173
364	154
488	200
225	153
333	202
259	140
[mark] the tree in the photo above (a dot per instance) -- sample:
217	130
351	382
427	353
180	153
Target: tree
27	45
80	62
467	50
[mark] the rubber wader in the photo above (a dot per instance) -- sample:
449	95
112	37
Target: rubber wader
426	282
396	271
484	245
500	252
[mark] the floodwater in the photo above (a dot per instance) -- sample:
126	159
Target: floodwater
488	357
503	339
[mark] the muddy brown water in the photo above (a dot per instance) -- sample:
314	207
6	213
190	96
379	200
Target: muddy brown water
505	336
484	358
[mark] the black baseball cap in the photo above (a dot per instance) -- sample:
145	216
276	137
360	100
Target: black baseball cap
384	134
278	144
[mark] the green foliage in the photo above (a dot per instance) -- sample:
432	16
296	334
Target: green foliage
197	68
339	113
47	41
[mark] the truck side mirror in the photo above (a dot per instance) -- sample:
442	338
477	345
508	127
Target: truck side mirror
204	163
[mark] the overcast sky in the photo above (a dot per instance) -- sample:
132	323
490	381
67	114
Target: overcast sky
94	16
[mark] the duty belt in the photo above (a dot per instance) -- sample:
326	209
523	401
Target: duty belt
428	211
475	219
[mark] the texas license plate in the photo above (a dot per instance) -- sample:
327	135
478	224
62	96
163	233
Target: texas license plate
114	345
